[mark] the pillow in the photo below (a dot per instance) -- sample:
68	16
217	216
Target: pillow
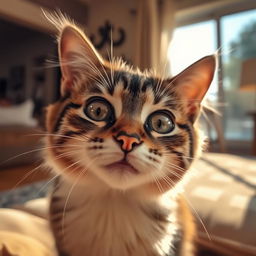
18	115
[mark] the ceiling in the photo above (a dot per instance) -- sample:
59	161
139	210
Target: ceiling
181	4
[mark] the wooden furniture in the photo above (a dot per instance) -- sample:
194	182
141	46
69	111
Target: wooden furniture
14	177
19	145
253	114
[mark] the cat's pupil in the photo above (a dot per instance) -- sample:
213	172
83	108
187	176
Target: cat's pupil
98	111
159	123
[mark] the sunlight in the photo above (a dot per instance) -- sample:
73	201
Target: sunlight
191	43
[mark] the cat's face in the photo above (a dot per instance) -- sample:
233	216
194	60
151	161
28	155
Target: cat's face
125	128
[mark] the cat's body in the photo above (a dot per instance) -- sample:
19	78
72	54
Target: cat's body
106	222
123	141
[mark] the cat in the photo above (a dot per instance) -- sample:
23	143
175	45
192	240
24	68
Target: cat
122	141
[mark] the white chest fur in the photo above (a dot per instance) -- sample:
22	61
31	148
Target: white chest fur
110	223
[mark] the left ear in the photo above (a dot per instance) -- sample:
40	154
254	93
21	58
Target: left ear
193	83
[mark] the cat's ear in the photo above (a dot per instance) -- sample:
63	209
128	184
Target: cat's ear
193	83
77	57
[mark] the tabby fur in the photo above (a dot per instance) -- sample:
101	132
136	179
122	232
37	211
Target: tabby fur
120	179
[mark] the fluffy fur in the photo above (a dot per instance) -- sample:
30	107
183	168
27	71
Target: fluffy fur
117	194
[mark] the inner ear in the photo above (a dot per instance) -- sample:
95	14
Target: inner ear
77	57
193	83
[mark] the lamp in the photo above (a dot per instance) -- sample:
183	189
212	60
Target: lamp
248	84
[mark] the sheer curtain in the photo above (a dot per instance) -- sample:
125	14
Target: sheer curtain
155	22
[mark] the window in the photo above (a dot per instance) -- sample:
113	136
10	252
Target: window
189	44
236	34
238	40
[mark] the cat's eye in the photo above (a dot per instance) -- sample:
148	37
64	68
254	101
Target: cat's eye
161	122
98	109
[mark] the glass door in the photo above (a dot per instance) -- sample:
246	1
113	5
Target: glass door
238	43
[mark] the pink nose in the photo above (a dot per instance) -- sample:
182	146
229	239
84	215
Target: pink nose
127	143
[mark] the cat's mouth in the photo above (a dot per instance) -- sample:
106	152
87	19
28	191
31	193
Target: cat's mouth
121	167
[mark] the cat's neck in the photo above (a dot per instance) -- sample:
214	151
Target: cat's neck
111	222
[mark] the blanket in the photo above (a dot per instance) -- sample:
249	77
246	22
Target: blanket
14	244
24	234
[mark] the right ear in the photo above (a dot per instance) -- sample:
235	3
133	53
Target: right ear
77	57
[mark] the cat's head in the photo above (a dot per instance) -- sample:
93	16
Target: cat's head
123	127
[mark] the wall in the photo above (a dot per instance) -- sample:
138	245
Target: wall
121	14
74	9
29	12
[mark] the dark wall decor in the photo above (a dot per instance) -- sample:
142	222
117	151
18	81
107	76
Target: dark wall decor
3	88
105	36
17	84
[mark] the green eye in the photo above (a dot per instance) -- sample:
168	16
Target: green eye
98	109
161	122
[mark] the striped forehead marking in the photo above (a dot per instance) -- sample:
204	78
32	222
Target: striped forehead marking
134	83
138	84
136	88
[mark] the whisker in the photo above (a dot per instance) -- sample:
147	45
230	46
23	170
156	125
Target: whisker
46	185
110	56
62	155
168	153
27	175
91	65
180	176
73	164
169	181
198	217
59	135
22	154
177	175
33	151
157	183
96	70
67	199
194	210
176	166
161	80
70	192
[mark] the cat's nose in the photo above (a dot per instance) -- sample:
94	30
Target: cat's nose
127	141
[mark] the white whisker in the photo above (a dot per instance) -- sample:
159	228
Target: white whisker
27	175
170	182
71	190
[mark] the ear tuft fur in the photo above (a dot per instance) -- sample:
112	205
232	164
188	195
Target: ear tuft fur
60	20
78	57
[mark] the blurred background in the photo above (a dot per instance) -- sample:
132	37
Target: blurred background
167	35
184	31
